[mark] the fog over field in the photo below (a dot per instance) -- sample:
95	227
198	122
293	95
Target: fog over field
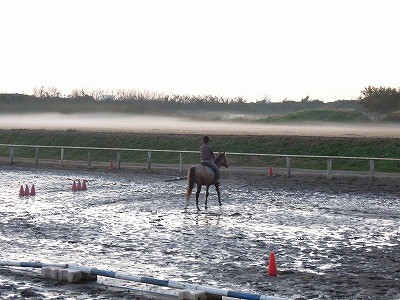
164	124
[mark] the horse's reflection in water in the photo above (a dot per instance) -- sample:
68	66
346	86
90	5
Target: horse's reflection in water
201	175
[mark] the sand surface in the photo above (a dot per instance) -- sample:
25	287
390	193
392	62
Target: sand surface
333	239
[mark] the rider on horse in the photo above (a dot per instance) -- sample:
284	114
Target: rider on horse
208	159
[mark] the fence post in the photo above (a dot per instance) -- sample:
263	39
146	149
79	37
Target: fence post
36	155
11	155
62	156
329	167
288	165
89	159
371	169
180	162
148	160
118	159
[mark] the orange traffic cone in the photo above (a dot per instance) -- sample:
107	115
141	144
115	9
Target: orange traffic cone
26	190
74	186
21	191
272	265
33	191
271	173
111	165
84	187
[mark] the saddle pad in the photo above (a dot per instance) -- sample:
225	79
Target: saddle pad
210	171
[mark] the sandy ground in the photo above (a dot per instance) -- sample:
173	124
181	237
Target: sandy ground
359	272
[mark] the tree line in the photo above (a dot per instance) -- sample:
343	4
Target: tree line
374	101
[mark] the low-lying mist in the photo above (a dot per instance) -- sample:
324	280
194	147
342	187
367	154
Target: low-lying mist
164	124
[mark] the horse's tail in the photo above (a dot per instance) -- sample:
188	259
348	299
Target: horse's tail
190	178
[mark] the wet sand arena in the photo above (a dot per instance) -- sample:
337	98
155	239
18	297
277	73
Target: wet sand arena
328	245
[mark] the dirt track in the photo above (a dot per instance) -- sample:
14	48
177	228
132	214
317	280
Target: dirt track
333	239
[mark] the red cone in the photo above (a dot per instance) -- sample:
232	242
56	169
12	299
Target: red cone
272	271
84	187
33	191
74	186
111	165
21	191
270	172
78	186
26	190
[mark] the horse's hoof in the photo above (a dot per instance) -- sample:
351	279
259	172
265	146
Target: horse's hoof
205	207
198	208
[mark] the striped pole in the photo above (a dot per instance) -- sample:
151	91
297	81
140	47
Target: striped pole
147	280
30	264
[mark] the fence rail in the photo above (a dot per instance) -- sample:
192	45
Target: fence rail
118	151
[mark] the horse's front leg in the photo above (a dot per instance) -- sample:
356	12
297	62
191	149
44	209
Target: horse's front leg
197	196
207	193
218	193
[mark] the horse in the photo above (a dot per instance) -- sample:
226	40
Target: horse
203	175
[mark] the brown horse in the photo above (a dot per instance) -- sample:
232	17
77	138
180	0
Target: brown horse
201	175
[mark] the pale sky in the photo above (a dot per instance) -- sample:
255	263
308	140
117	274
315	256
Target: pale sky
327	49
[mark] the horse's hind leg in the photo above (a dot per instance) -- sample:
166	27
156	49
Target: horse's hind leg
218	193
207	193
197	196
188	192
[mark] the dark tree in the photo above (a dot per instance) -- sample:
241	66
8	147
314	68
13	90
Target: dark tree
379	101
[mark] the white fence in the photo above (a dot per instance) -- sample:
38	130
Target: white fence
180	153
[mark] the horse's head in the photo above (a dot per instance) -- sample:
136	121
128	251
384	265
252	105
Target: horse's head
221	160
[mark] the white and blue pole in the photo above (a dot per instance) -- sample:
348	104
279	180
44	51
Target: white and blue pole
147	280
